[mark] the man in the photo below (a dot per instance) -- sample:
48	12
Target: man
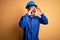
30	23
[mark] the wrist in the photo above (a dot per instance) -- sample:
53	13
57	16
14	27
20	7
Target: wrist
42	14
29	13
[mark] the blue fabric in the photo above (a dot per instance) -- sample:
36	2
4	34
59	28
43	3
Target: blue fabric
31	26
31	3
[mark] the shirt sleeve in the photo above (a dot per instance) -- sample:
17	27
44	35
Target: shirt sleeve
22	22
43	19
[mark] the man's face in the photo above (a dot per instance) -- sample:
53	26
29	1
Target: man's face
33	11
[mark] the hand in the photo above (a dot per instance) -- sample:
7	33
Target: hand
31	9
39	11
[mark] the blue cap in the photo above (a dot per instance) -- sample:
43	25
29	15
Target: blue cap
31	3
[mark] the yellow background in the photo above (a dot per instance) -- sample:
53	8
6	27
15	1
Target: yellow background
12	10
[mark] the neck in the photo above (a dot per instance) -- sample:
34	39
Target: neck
32	15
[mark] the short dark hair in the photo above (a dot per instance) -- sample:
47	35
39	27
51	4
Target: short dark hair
27	7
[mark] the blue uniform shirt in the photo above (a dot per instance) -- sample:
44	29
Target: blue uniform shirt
31	26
